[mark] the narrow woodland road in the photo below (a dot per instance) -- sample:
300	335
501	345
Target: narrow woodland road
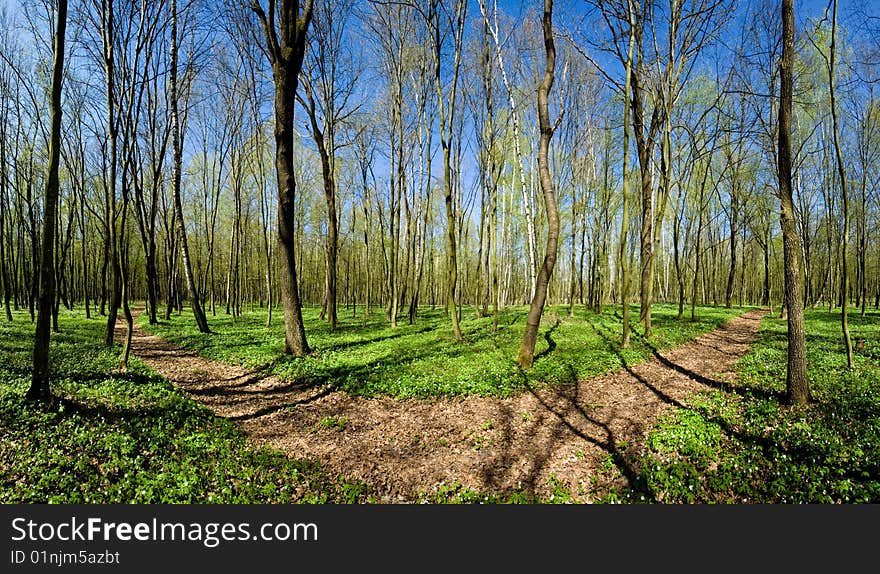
585	434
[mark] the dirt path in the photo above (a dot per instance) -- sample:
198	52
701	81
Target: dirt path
585	434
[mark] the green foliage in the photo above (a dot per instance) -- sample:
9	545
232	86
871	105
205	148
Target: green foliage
559	493
456	493
748	446
129	437
368	358
334	423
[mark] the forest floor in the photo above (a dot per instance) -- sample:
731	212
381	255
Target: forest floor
583	439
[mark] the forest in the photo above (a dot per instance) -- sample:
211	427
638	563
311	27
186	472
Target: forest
442	251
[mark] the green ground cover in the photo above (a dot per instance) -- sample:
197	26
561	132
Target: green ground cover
129	437
132	437
746	445
367	357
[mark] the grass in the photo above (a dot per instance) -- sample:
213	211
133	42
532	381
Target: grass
133	438
456	493
368	358
337	423
129	437
112	437
748	446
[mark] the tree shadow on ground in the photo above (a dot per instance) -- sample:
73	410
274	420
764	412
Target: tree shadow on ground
574	412
795	452
551	344
335	347
613	347
271	409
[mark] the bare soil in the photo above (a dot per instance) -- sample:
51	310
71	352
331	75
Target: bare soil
587	434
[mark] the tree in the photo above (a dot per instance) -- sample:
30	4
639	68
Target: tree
646	132
622	265
482	105
526	353
841	172
528	210
446	112
145	158
108	37
327	89
134	70
39	389
392	25
177	158
797	384
285	48
5	279
869	127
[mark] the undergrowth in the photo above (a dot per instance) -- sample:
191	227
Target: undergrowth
747	445
111	437
367	357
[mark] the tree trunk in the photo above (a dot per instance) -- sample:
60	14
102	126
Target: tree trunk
39	389
332	246
698	260
734	214
841	172
447	122
4	269
525	357
264	215
177	145
325	142
451	249
797	383
425	210
528	211
765	294
105	260
108	33
572	258
679	276
622	264
863	246
286	59
124	294
646	283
